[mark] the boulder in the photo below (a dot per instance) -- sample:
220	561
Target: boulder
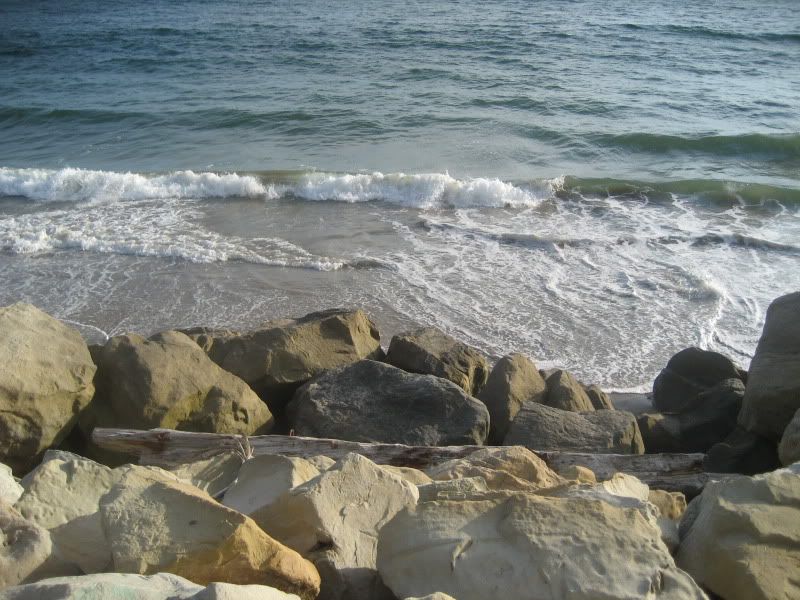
452	489
566	393
515	545
429	351
510	468
156	524
127	586
578	474
280	356
671	505
375	402
62	495
743	541
10	490
212	475
323	463
409	474
540	427
687	374
599	399
24	547
168	381
514	381
773	382
263	479
742	452
334	520
434	596
660	432
45	382
789	448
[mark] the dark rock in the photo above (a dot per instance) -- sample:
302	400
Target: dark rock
687	374
773	385
430	351
599	399
513	382
540	427
742	452
660	432
375	402
566	393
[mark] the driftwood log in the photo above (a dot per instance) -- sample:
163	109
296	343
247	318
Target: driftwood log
166	448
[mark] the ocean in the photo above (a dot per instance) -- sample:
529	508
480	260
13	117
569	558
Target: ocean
595	184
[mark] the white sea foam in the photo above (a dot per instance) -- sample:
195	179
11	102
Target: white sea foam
425	191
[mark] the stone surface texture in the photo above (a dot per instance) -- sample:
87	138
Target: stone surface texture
263	479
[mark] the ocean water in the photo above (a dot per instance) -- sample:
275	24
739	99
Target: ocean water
596	184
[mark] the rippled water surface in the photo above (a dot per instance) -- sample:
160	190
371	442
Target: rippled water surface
595	184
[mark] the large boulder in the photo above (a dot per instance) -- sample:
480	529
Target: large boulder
742	452
282	355
514	545
168	381
599	399
660	432
514	380
263	479
156	524
334	521
773	383
213	475
743	538
24	547
687	374
540	427
430	351
127	586
566	392
789	448
45	382
10	490
375	402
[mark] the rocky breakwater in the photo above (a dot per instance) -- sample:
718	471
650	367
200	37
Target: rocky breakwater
491	521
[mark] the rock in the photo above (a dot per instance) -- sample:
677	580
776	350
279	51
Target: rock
63	495
375	402
334	521
45	382
24	547
634	403
773	383
514	381
599	399
452	489
789	448
579	474
671	505
279	357
429	351
566	393
660	432
323	463
263	479
742	452
162	586
540	427
744	539
168	381
155	524
515	545
10	490
510	468
212	475
687	374
409	474
434	596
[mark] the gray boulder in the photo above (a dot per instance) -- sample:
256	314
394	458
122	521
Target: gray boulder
773	383
45	382
789	448
566	392
742	452
540	427
280	356
687	374
429	351
599	399
514	381
375	402
168	381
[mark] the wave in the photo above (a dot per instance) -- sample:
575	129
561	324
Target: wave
753	144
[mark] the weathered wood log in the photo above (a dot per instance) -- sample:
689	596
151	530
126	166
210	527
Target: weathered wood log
166	447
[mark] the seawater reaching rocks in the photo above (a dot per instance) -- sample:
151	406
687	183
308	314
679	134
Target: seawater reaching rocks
494	521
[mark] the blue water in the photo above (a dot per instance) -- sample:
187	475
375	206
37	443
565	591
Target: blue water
595	183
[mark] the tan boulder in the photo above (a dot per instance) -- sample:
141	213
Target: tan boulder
452	489
168	381
10	490
334	520
24	547
514	545
212	475
578	473
45	382
566	392
671	505
741	539
263	479
155	524
409	474
430	351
